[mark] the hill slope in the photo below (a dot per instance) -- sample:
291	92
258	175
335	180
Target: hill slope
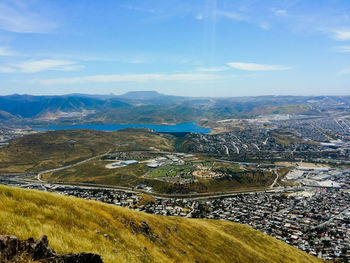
122	235
53	149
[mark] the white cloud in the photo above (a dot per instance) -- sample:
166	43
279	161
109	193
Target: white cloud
6	69
264	25
341	35
231	15
279	12
256	67
199	17
345	71
5	52
139	9
344	49
212	69
127	78
34	66
243	17
16	16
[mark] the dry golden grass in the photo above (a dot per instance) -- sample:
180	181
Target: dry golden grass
95	172
146	199
76	225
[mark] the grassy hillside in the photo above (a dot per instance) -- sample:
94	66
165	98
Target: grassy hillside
121	235
53	149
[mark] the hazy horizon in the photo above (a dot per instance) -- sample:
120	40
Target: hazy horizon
167	94
179	95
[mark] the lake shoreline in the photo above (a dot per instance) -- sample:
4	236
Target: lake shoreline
180	127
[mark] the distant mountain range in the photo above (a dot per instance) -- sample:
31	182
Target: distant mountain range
154	107
28	106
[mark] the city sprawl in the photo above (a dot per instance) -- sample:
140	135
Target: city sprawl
286	175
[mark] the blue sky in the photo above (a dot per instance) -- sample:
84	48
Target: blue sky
191	48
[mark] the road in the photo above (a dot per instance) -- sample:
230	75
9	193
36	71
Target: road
196	196
276	179
332	218
68	166
22	180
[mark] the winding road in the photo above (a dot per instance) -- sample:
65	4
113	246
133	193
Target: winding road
68	166
276	179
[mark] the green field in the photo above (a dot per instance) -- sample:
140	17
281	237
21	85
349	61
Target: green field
185	170
171	170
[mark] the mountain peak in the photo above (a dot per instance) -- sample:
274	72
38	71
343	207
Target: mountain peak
143	95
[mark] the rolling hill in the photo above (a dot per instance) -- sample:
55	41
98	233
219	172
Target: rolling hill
46	150
122	235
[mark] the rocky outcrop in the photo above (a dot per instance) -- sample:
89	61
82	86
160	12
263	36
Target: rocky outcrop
12	249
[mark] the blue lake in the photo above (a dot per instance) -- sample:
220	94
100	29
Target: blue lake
181	127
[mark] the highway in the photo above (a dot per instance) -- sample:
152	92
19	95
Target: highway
24	180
